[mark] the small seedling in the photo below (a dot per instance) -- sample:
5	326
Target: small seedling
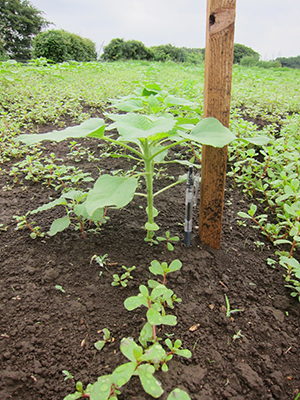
241	223
123	279
144	360
238	335
3	228
23	223
259	245
168	239
67	375
106	338
228	311
60	288
271	262
101	260
210	361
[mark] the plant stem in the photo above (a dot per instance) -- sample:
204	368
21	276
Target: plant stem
153	326
167	148
81	227
167	187
125	147
149	167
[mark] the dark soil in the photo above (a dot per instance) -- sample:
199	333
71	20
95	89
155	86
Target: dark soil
44	331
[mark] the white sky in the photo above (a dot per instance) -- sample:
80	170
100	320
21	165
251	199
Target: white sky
270	27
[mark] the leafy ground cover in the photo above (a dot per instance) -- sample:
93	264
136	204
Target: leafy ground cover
236	316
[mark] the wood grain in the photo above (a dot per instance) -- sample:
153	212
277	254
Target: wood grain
217	96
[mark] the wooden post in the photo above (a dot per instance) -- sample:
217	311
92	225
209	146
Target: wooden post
217	95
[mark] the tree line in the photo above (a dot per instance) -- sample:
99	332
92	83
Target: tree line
21	38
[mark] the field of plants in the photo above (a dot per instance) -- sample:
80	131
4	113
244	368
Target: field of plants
99	296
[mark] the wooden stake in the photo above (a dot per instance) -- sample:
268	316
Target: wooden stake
217	95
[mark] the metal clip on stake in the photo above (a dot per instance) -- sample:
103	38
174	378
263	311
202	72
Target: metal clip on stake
189	208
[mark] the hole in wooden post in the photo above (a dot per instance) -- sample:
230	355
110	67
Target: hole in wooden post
212	19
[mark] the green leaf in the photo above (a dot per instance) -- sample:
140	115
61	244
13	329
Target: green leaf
183	353
175	265
60	201
98	216
165	367
169	344
159	290
169	320
144	291
91	127
282	241
110	191
123	373
153	102
152	283
292	262
186	123
133	302
137	352
151	227
290	210
178	101
252	210
73	396
80	210
106	334
146	334
59	225
154	210
149	383
133	126
154	317
170	246
154	354
243	215
100	344
257	140
156	268
100	390
210	132
127	346
128	105
178	394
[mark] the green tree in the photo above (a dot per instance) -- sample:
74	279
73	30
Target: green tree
240	51
20	21
60	45
119	49
166	52
290	62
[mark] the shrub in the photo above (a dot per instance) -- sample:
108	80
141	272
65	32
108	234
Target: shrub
249	61
119	49
290	62
167	52
60	45
240	51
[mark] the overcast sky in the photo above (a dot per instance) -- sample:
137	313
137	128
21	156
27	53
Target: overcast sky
270	27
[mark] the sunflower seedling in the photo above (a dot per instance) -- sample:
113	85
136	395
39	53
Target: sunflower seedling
60	288
238	335
106	338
